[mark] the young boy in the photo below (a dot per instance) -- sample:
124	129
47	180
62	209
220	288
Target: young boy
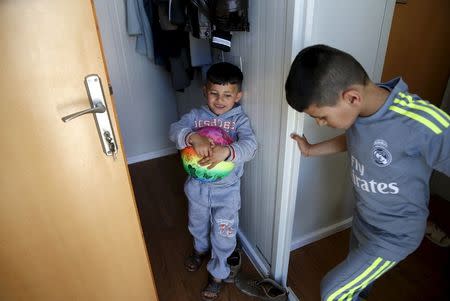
213	207
394	140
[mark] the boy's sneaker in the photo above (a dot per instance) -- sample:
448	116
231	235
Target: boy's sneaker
235	262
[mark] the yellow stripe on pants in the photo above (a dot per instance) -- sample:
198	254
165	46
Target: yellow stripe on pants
386	266
356	280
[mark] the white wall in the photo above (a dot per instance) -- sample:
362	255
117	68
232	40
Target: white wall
324	198
145	100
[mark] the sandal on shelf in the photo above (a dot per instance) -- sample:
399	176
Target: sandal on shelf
436	235
194	261
212	289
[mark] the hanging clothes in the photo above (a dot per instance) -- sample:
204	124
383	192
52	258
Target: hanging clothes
199	23
138	25
200	52
230	15
224	17
177	12
171	45
162	31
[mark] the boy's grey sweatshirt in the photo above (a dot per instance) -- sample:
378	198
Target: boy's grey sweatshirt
392	154
235	122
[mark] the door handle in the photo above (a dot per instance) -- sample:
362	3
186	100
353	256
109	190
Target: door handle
98	108
101	115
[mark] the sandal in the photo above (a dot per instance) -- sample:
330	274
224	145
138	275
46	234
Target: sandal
194	261
435	234
212	289
235	263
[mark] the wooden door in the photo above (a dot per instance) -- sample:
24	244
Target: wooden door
419	47
69	228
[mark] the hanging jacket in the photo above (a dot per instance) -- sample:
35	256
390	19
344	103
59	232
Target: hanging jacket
138	24
231	15
225	15
176	10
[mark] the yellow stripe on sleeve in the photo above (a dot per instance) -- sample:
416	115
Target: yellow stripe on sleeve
406	96
410	99
425	108
417	118
356	280
436	108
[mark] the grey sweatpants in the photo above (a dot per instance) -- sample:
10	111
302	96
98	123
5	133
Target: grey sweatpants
352	279
213	222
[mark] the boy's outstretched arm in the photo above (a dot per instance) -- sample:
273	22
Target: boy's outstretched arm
335	145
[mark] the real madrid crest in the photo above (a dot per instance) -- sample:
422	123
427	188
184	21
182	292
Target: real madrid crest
380	154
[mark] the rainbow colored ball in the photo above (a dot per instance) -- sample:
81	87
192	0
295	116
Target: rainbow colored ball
190	158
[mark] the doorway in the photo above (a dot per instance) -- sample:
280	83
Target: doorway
147	104
259	53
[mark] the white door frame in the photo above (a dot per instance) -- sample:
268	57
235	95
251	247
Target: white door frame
298	14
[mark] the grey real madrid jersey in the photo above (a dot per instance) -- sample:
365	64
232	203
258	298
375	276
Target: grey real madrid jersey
392	155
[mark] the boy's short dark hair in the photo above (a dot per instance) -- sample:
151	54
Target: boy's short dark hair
318	74
225	73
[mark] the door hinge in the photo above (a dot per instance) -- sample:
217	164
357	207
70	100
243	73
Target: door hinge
110	88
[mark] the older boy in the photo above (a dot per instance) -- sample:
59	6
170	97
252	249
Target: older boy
213	207
394	140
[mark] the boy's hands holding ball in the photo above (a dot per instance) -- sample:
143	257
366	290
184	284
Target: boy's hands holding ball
202	145
219	154
211	154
